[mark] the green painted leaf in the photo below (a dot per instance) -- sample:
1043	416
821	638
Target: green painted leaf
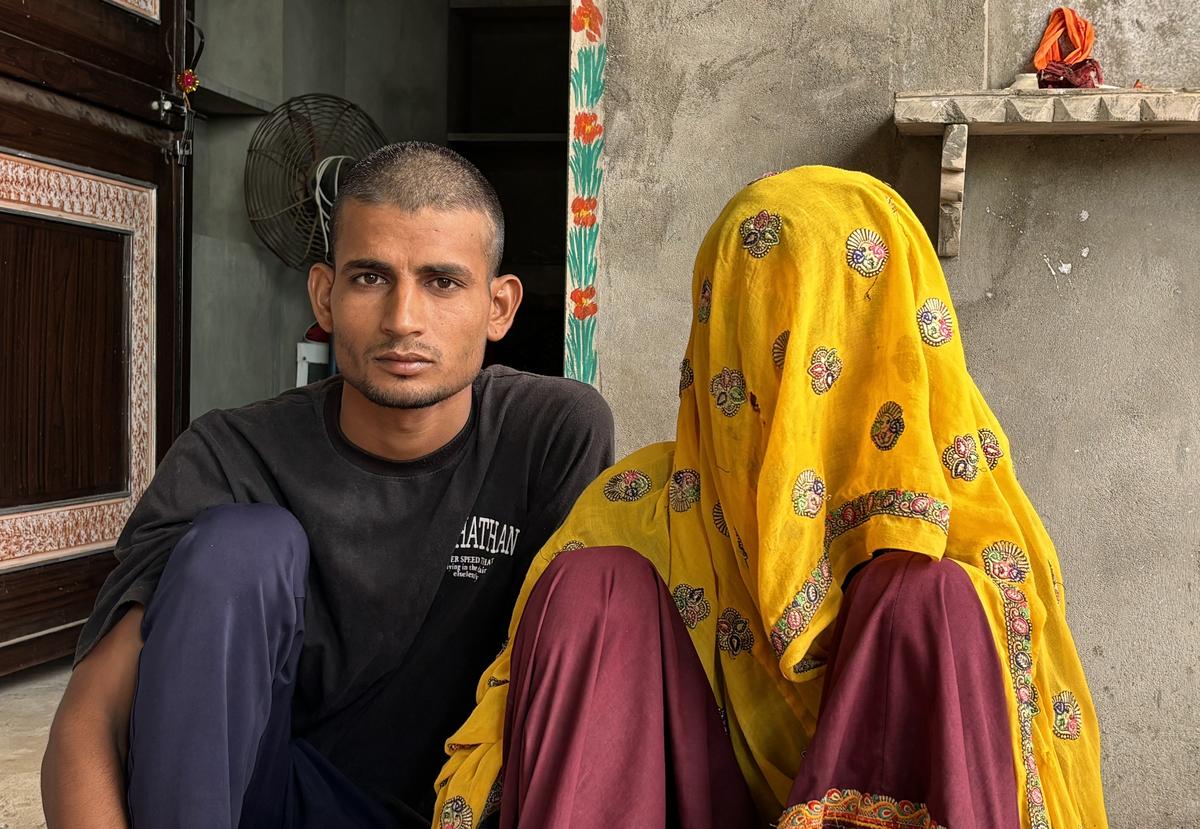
587	76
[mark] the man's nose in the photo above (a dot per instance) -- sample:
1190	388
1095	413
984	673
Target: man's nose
405	313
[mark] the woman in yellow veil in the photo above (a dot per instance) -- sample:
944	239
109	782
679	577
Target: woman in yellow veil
875	611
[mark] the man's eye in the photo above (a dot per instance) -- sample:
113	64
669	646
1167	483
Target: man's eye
445	283
369	279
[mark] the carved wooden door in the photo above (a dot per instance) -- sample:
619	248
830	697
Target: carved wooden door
93	296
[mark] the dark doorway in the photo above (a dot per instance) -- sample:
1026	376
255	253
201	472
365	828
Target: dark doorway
508	88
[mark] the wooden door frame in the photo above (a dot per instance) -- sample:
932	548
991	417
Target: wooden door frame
88	50
93	112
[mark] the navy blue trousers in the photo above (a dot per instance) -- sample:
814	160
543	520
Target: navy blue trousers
210	732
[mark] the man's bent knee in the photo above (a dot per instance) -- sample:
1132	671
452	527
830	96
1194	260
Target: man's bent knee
233	548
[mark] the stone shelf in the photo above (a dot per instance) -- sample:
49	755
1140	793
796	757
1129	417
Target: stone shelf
955	115
1050	111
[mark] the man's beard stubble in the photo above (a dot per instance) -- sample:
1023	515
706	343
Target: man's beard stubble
399	398
404	398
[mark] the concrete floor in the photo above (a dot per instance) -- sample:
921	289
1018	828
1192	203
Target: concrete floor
27	703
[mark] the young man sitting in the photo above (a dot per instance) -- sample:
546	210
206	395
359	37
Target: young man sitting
310	587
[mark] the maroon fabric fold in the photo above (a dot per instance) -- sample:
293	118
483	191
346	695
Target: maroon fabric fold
1086	74
610	719
913	706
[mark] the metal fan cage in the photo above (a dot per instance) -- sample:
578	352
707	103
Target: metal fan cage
285	177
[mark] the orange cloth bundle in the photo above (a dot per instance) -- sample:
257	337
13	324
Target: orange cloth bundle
1076	69
1065	22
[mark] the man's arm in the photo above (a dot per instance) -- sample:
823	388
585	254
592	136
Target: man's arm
83	771
582	448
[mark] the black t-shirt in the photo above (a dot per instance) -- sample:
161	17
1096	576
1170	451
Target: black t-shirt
414	567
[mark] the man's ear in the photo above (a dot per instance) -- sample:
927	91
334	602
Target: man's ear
506	299
320	288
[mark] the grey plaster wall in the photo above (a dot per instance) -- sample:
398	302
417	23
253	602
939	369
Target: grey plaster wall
389	57
1076	290
396	65
243	44
314	48
248	308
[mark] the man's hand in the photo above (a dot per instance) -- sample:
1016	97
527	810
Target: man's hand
83	772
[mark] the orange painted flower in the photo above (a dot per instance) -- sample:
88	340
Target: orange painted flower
588	127
584	306
584	211
587	18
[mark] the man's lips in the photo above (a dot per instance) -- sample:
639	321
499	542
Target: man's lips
404	364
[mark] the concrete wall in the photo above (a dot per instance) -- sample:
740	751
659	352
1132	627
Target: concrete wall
248	309
1092	372
396	65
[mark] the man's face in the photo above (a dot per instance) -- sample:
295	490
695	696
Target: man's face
411	304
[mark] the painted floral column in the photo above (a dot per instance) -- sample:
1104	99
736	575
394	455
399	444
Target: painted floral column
588	54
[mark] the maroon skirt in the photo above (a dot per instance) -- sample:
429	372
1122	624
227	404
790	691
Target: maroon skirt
611	721
914	728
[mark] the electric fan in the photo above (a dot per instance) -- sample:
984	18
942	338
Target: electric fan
295	159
